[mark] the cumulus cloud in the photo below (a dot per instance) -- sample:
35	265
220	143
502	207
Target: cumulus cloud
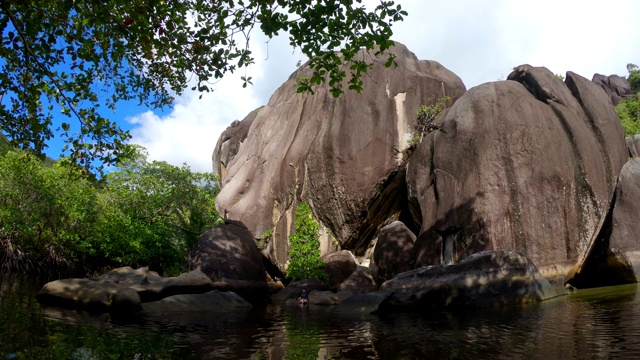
480	41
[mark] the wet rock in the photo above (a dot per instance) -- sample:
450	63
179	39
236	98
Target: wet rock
361	281
212	301
362	304
122	289
490	278
392	254
339	266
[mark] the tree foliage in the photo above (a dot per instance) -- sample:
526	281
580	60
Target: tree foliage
73	56
634	77
304	254
146	213
628	109
425	117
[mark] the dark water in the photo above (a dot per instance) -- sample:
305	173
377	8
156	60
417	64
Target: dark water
588	324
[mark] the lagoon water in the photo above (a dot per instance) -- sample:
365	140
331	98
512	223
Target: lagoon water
586	324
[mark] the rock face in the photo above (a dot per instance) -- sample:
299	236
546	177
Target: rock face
527	165
615	86
229	142
392	254
122	289
633	143
229	256
304	146
615	257
483	279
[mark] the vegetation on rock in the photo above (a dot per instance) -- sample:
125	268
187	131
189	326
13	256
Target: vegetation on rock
74	56
304	254
425	116
144	214
628	109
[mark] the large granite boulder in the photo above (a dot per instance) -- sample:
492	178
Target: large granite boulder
614	258
229	256
615	86
344	155
361	281
489	278
339	266
528	165
392	254
633	143
229	142
122	289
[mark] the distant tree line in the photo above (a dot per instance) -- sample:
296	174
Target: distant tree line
628	109
55	218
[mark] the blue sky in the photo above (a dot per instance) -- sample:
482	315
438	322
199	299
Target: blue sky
479	40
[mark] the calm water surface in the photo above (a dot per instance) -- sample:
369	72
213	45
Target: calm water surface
588	324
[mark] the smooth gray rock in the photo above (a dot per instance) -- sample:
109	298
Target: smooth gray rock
360	304
121	289
212	301
490	278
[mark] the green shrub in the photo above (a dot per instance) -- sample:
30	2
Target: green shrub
628	111
425	116
304	254
141	214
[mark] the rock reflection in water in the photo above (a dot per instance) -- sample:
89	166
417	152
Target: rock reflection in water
587	324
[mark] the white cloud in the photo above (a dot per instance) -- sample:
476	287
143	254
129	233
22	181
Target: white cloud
189	132
480	41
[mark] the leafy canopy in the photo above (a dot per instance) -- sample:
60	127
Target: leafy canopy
628	109
73	57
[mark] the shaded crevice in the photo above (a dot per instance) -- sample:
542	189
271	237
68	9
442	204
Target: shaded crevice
468	235
603	266
387	203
